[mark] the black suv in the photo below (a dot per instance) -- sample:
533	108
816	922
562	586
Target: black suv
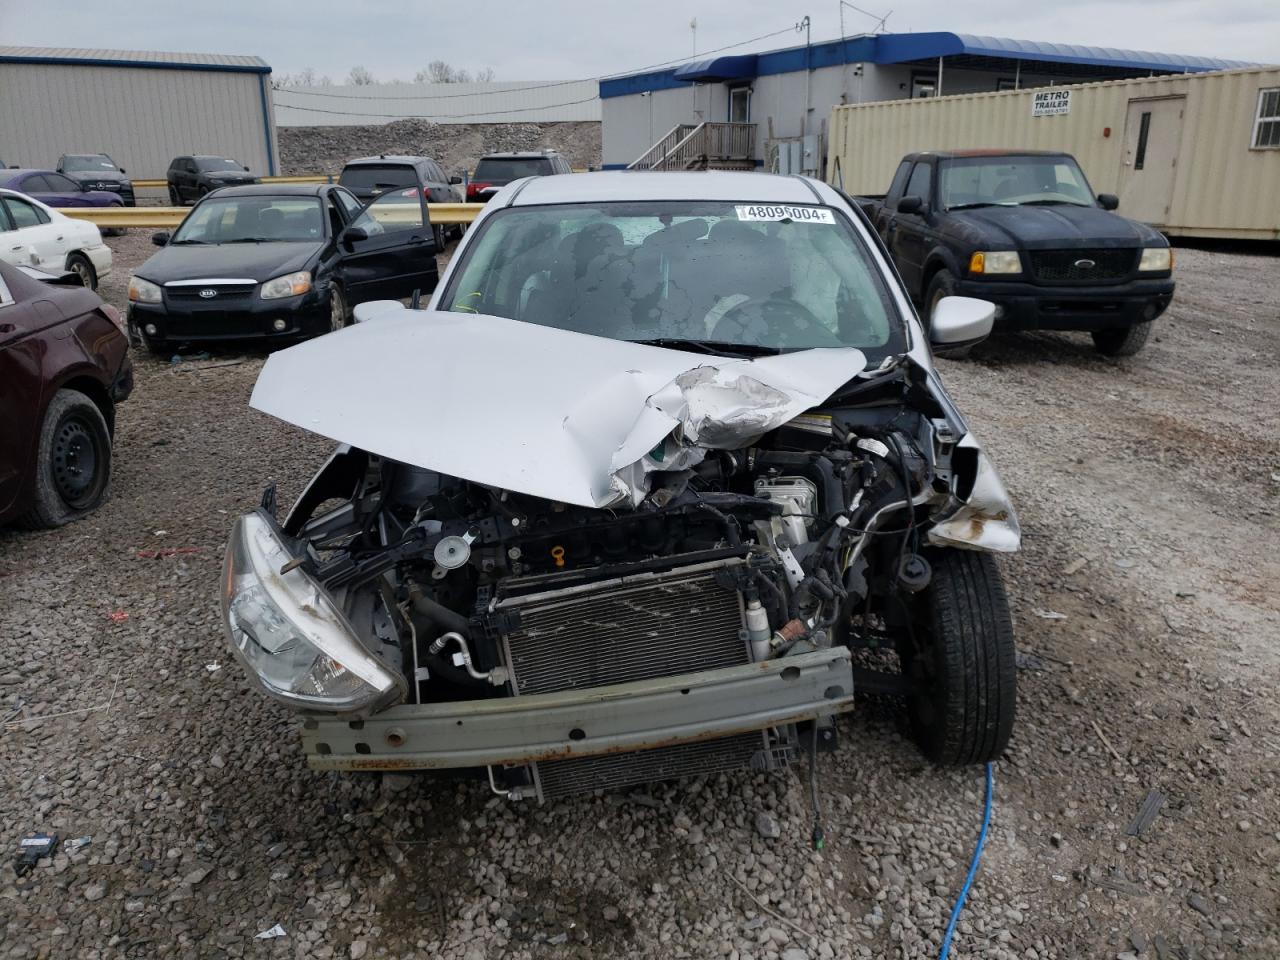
97	171
370	177
190	178
496	170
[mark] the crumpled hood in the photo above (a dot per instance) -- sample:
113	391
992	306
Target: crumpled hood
1057	226
560	415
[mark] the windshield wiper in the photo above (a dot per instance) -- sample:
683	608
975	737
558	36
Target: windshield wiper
175	243
250	240
972	204
1051	203
713	347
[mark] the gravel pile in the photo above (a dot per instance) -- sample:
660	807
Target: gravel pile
457	146
1148	496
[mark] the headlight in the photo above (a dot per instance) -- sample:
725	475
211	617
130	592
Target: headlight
290	633
290	285
995	261
1156	259
143	291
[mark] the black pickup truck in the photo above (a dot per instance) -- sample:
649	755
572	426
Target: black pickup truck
1024	230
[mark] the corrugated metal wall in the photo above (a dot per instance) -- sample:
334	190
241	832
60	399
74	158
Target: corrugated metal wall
1222	187
498	102
142	117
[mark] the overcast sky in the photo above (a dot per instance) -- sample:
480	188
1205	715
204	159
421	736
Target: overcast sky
571	39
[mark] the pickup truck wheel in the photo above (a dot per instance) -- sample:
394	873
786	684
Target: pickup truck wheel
79	264
1123	341
959	659
73	462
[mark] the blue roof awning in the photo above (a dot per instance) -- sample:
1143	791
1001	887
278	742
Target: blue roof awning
718	69
905	47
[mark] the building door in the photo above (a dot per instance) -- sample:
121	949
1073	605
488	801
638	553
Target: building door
740	105
1149	165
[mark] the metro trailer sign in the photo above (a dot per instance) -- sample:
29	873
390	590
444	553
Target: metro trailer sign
1050	103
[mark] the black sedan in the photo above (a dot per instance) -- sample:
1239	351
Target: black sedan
279	263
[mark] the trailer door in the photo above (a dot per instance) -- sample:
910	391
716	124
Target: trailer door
1152	134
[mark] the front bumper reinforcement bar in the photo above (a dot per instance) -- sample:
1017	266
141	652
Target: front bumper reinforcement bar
582	723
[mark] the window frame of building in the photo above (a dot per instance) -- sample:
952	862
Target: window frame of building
1006	83
1271	121
920	81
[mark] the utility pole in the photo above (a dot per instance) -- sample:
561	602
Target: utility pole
693	26
808	73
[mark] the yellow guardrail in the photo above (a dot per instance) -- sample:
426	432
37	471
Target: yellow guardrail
309	178
170	217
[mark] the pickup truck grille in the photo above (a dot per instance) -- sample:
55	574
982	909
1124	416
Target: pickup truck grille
1083	266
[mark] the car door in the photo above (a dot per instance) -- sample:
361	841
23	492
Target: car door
908	233
20	390
55	190
387	252
38	239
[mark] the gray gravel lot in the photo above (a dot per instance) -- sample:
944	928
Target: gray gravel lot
1148	491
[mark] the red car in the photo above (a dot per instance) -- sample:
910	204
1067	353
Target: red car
64	365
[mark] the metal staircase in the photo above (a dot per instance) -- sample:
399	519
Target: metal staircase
702	146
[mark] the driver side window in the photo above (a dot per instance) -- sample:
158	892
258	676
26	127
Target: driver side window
921	182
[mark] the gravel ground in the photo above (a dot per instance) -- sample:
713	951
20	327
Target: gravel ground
1148	494
457	146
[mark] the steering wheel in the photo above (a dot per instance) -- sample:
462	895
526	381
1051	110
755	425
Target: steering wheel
773	322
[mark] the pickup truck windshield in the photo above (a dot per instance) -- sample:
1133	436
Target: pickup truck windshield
758	277
1012	181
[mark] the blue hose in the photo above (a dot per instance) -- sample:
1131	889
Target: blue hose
973	868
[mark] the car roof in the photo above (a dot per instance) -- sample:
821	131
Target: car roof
275	190
987	152
521	155
11	174
723	185
389	158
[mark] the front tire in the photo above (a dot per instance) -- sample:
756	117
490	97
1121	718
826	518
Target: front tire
73	462
175	198
79	264
339	315
961	661
1122	341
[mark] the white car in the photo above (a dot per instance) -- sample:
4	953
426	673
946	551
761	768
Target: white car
34	235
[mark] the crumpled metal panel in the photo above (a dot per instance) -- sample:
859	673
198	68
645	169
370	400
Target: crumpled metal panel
987	520
561	415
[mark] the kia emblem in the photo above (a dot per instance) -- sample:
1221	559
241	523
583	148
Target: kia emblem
1080	264
208	292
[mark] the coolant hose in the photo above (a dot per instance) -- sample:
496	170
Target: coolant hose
438	613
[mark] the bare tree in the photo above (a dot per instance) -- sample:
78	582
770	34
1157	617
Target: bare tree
438	71
360	77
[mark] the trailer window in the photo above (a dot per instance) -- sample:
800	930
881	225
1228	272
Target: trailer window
1266	127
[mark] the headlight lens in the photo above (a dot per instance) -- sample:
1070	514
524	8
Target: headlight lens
1156	259
290	285
289	632
143	291
995	261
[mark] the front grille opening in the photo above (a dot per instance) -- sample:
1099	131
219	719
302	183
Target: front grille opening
1083	266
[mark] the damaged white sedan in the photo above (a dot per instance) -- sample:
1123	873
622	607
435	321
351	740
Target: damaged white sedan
662	458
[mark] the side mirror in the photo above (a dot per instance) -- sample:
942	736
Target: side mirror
1108	201
961	322
246	169
353	235
123	170
910	205
454	181
161	238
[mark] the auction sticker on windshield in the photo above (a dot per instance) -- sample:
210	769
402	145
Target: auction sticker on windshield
773	213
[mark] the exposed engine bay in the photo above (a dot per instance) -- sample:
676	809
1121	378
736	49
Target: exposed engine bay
813	537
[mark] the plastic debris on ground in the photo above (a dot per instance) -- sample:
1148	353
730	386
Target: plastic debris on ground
31	849
73	845
1050	615
273	933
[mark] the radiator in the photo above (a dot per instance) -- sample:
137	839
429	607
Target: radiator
632	628
629	628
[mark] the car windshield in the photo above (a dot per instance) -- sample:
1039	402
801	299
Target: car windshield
506	169
91	164
215	164
1011	181
378	177
245	219
753	276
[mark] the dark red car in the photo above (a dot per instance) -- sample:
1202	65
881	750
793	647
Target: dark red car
64	365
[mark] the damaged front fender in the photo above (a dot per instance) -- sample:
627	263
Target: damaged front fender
985	518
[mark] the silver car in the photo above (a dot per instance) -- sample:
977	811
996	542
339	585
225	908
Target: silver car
665	454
